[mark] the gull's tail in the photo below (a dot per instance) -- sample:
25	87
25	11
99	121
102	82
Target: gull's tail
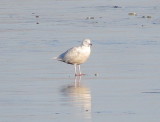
55	58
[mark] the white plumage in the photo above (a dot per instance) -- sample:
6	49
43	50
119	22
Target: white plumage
77	55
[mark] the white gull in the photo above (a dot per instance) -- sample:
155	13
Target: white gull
76	55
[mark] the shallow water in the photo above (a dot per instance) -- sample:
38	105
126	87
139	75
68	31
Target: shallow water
122	74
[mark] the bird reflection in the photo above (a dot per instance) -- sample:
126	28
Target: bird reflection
78	95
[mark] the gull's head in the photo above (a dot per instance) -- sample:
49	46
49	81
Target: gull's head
87	43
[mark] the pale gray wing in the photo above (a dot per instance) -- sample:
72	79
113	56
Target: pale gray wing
70	55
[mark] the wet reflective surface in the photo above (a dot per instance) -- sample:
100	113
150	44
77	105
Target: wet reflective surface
122	74
78	96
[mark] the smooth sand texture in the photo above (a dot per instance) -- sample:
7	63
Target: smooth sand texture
122	82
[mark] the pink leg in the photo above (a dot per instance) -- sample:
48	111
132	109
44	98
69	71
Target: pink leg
77	73
75	69
79	68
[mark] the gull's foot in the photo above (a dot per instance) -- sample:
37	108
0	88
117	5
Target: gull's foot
79	74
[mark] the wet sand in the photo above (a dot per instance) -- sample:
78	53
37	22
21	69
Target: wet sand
122	81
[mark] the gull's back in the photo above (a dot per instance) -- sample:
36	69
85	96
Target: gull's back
76	55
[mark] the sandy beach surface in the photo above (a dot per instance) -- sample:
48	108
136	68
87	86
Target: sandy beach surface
122	81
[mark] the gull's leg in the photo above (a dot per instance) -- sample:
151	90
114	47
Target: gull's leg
77	72
75	69
79	68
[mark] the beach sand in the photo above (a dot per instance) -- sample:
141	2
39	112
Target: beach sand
122	81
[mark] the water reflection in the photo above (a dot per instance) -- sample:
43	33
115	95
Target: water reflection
79	96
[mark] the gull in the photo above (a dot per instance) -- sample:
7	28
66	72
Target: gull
76	55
